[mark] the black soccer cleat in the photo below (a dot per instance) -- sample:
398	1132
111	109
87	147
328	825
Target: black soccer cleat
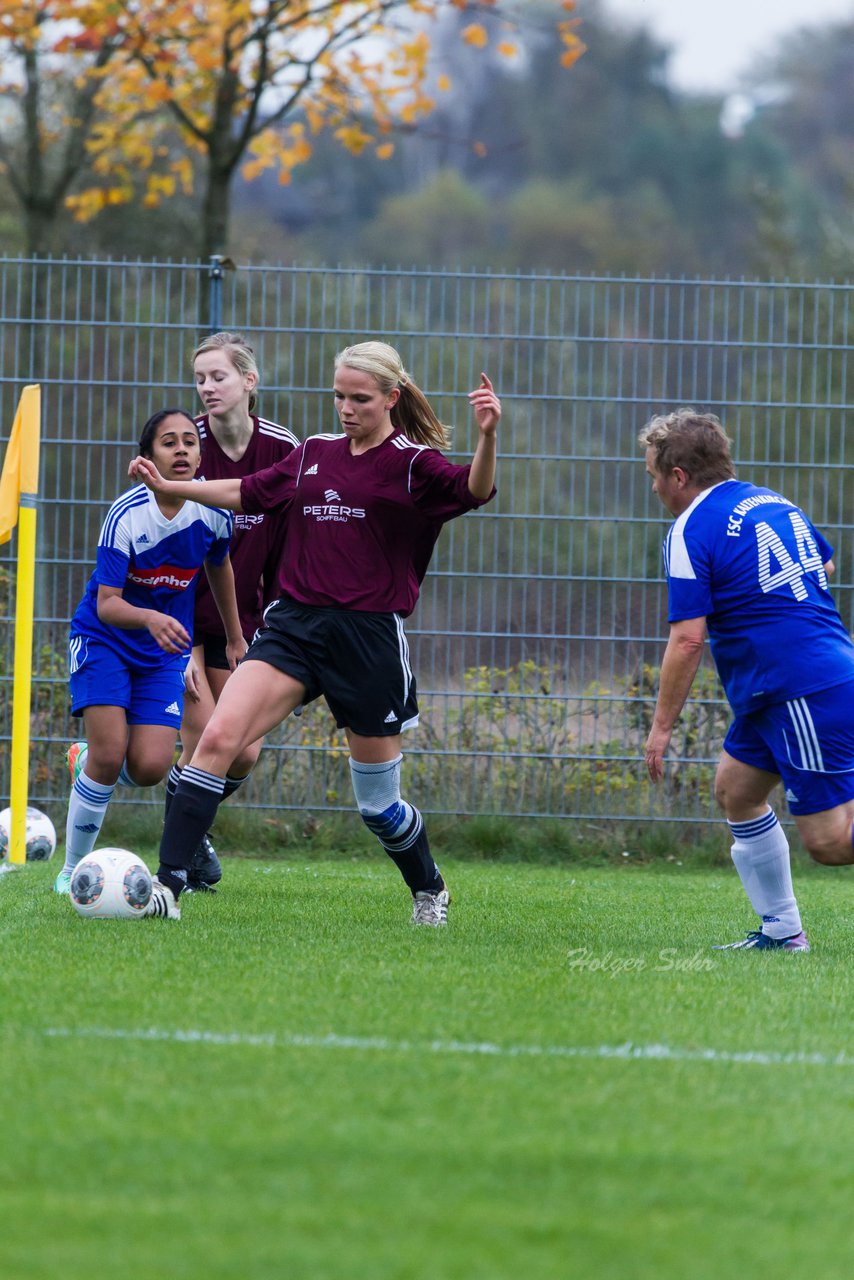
205	869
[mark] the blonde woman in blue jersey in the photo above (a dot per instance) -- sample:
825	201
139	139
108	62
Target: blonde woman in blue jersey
745	566
131	634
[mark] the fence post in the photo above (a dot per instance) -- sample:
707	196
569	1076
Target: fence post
216	272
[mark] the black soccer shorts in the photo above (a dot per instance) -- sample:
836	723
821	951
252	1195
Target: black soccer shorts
359	662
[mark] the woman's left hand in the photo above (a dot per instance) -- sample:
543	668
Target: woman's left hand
234	652
192	687
486	405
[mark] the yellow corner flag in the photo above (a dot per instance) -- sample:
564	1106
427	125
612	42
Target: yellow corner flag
19	485
10	481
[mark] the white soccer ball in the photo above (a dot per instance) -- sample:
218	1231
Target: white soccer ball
111	884
40	835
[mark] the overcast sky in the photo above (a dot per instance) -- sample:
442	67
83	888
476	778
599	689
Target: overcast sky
714	40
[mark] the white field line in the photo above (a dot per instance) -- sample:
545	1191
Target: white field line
379	1044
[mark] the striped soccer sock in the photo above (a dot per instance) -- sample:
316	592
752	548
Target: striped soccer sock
398	825
87	808
190	813
760	853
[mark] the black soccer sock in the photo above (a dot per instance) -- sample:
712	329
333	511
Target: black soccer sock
416	864
395	822
174	880
232	784
173	777
191	811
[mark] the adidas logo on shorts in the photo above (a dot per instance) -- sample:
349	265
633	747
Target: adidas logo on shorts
173	709
390	718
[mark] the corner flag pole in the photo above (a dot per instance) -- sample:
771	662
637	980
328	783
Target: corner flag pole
29	412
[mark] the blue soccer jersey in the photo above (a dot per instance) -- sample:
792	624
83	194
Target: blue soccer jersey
155	561
751	563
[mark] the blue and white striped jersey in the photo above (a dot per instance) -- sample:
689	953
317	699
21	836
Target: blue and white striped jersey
155	561
752	564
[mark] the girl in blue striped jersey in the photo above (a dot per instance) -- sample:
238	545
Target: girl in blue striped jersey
131	634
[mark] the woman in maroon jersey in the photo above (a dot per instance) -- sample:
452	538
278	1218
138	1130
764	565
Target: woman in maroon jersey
235	443
363	510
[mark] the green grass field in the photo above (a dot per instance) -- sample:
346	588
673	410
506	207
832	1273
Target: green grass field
293	1082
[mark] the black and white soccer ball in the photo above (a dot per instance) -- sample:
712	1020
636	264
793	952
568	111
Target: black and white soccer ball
40	835
111	884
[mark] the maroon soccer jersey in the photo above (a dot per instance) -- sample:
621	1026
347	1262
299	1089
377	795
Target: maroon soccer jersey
360	529
255	542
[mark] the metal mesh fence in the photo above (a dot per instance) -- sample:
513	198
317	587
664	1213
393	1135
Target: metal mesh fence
542	619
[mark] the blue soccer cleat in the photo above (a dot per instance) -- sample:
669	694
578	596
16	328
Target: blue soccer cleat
62	883
759	941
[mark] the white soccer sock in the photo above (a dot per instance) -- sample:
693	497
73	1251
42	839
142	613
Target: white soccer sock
86	810
761	855
124	777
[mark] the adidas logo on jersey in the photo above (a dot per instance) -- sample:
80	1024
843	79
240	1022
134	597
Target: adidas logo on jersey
312	471
391	718
173	709
143	540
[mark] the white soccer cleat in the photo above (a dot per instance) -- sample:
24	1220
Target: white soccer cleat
162	902
431	908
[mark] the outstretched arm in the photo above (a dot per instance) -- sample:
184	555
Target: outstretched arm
678	668
487	411
213	493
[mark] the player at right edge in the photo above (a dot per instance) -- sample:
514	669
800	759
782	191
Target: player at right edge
746	565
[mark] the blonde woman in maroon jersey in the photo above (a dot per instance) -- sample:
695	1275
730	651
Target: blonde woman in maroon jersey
235	443
363	509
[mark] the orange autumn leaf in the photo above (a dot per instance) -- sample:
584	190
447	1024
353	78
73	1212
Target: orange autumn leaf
475	35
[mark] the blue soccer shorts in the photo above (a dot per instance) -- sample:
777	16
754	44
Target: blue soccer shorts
809	742
100	677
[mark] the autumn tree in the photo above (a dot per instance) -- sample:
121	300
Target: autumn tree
52	64
251	83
